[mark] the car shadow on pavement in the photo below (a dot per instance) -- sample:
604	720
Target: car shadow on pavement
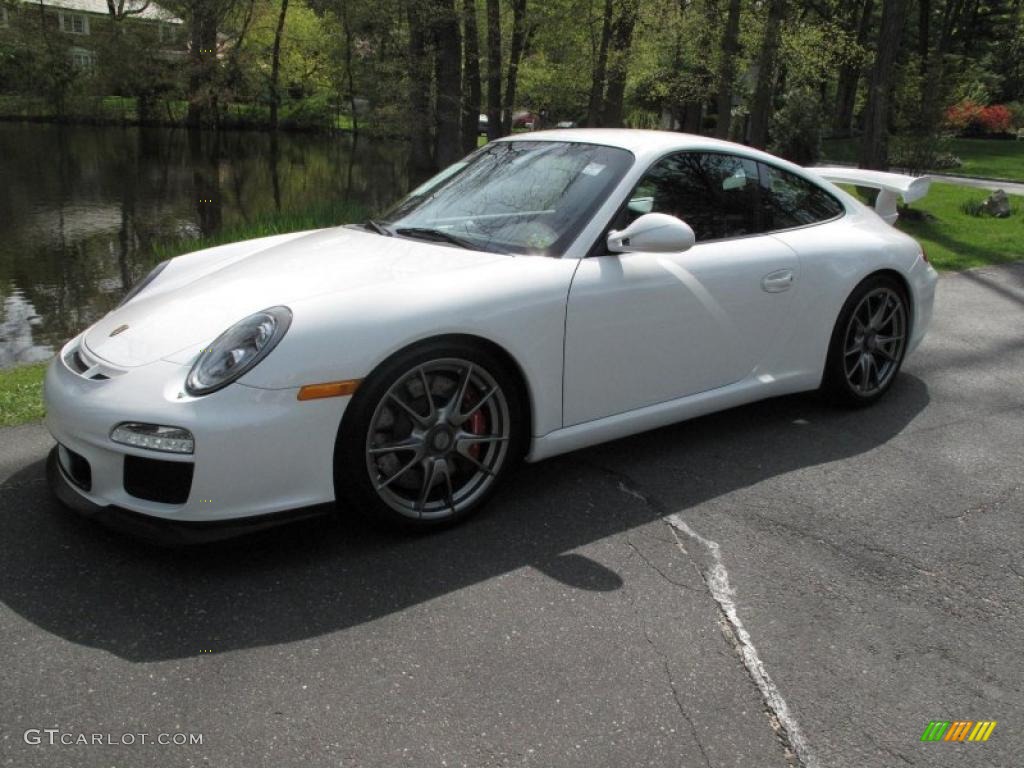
99	589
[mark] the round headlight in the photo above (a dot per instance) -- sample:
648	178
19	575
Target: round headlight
238	350
141	285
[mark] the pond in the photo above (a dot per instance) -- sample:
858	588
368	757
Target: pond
83	209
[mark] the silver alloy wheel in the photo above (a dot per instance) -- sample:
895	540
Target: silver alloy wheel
874	341
438	438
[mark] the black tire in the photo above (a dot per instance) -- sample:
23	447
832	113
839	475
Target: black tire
863	361
359	472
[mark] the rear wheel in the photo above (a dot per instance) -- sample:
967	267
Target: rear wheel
868	343
428	436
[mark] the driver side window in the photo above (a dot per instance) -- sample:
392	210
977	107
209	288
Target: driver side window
716	194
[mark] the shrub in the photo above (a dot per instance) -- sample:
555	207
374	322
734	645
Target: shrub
922	153
1016	115
995	119
796	127
973	208
970	118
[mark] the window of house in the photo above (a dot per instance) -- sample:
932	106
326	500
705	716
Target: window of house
83	59
716	194
73	23
4	18
167	33
790	201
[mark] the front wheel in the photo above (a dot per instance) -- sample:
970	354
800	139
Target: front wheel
428	436
868	343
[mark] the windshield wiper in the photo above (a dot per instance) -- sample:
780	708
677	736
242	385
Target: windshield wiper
438	235
376	226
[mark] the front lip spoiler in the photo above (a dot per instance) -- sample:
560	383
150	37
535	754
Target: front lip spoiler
167	532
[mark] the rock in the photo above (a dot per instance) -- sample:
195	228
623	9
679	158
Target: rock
998	205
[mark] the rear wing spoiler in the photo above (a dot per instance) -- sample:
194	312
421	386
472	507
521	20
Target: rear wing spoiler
890	186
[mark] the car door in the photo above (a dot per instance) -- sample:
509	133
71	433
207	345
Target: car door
645	328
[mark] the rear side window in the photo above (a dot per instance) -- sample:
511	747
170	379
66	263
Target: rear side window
715	194
789	201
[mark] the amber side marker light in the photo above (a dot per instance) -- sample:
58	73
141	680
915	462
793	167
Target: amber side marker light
329	389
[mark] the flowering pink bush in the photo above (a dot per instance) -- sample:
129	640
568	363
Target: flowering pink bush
996	119
970	117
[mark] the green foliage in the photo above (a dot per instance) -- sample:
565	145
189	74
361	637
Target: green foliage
796	127
814	49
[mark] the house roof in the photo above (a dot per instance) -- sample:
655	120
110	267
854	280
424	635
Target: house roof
150	12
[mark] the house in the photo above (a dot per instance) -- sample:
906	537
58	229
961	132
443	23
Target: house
82	21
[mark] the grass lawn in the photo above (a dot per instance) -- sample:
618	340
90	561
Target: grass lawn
988	158
955	240
21	394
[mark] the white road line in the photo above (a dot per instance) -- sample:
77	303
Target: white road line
723	593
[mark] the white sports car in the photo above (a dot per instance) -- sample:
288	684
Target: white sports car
544	294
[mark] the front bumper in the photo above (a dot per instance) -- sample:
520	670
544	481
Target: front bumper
257	452
164	531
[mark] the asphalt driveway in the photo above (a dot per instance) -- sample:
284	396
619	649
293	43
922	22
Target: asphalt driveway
782	584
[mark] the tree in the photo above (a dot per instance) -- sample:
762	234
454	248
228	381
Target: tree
595	107
275	66
621	42
515	53
204	18
874	143
471	76
849	74
494	123
420	87
764	88
448	50
727	69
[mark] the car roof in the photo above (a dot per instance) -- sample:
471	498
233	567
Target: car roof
645	144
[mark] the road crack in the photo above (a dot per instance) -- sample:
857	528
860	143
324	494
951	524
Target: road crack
795	748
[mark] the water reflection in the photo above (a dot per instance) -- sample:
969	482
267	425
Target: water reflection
82	207
16	342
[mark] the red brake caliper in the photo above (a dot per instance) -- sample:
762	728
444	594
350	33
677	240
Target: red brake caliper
477	426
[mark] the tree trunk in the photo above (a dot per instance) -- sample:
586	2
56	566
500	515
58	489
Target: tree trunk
448	50
727	70
471	77
202	64
515	53
493	70
874	144
595	107
849	78
621	42
349	71
935	68
275	66
764	89
691	117
420	118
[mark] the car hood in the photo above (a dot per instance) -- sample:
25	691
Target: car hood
186	306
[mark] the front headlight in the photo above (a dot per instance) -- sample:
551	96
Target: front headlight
141	285
238	350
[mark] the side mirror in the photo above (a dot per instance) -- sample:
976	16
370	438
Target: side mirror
653	233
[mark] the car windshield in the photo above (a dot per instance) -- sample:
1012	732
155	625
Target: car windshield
528	197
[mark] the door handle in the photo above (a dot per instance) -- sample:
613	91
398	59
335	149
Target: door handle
777	282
